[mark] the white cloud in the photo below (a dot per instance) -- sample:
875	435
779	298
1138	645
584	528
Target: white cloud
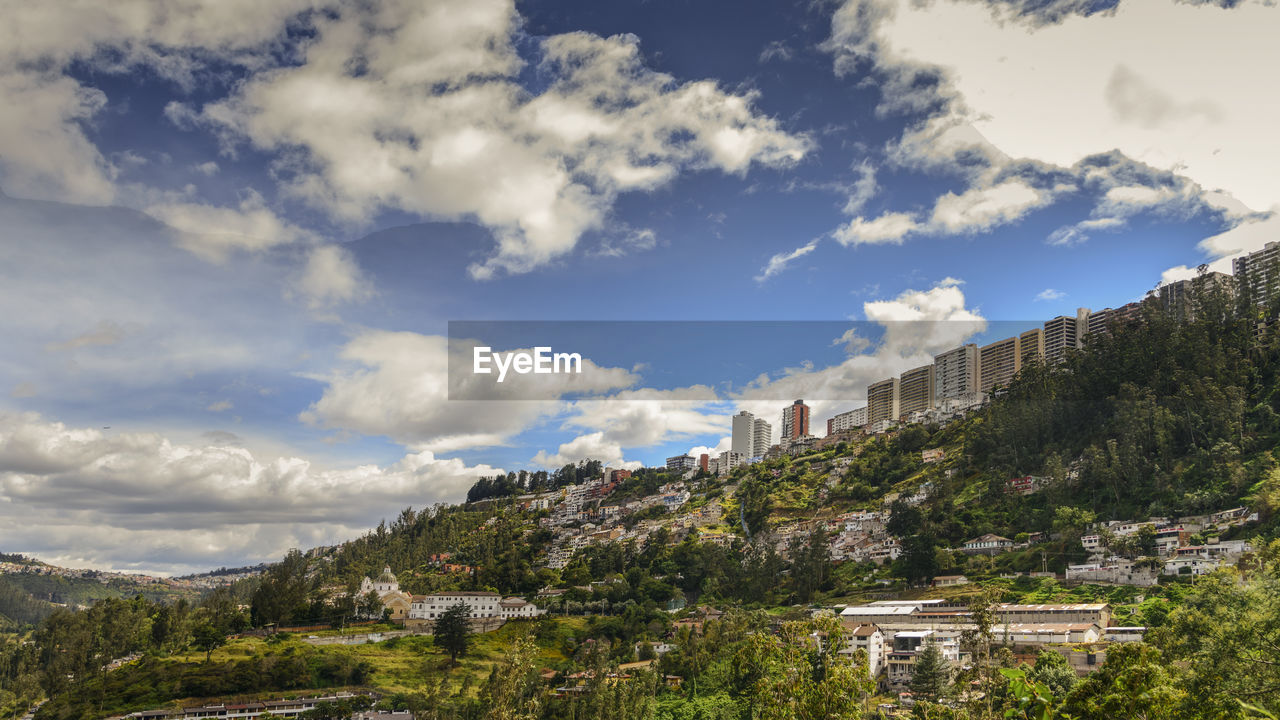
214	231
395	105
863	189
1049	294
331	276
915	326
44	151
140	500
981	208
888	228
592	446
1055	84
779	262
220	406
435	124
725	444
143	313
646	417
396	384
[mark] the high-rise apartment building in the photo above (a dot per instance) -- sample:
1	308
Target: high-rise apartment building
742	440
680	463
1179	298
1258	273
882	401
1062	334
795	421
955	372
751	435
762	438
851	420
1104	320
998	363
1031	347
915	391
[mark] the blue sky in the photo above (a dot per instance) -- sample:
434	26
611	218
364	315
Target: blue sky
233	238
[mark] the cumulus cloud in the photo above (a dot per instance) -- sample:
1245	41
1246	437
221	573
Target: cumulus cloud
1049	294
435	123
396	384
124	499
592	446
44	151
890	227
998	87
212	231
646	417
388	106
911	329
329	276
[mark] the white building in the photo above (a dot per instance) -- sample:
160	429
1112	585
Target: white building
851	420
384	585
866	637
479	604
752	436
514	608
1256	271
901	658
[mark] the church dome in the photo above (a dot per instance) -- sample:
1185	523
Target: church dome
387	576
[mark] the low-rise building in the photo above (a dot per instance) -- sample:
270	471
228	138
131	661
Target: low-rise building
479	604
1047	633
988	544
1097	613
900	660
866	637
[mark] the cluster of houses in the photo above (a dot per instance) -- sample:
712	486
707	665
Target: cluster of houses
893	633
580	515
421	611
1177	555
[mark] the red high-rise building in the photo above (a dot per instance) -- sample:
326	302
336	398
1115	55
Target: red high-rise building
795	420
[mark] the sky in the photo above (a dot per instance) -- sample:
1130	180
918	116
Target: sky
234	234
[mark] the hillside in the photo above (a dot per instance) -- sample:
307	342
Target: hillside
1156	427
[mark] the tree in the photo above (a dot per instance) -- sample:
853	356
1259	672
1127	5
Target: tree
1134	682
798	673
1071	523
919	561
452	631
930	676
208	638
1053	670
512	691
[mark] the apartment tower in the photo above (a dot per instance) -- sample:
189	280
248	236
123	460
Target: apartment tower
915	391
882	401
795	421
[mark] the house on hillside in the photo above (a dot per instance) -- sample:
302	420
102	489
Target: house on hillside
988	544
